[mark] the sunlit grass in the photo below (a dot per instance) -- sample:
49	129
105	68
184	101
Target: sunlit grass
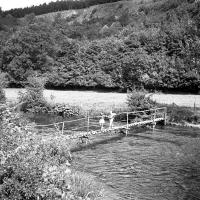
91	99
83	185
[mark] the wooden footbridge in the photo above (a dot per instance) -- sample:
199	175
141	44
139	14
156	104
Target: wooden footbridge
88	126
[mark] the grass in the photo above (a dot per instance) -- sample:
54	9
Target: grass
88	100
104	100
184	100
83	185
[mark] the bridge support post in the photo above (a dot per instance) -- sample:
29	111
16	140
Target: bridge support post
165	116
88	122
127	124
63	126
154	122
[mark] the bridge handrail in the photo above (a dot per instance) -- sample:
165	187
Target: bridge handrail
45	125
142	111
134	112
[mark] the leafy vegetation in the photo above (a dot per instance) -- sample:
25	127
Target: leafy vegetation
33	98
179	114
33	101
137	100
36	167
3	83
152	45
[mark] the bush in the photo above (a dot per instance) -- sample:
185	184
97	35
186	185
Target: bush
182	114
3	84
66	110
33	99
84	186
36	167
138	100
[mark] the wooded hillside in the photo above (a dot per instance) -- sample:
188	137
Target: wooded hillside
151	44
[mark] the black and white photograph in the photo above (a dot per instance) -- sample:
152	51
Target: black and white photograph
99	99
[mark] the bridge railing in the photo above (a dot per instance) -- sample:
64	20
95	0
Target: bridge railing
91	123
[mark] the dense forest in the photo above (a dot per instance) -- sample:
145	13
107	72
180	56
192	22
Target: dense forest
151	44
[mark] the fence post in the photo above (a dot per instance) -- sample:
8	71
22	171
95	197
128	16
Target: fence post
195	107
127	123
154	117
63	126
88	122
165	116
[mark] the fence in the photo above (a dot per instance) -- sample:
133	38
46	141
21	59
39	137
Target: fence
121	120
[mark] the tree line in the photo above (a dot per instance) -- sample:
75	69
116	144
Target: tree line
156	51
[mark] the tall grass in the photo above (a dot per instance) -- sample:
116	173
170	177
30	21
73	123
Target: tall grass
83	185
180	114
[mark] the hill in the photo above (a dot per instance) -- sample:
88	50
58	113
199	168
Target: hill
102	11
54	6
150	44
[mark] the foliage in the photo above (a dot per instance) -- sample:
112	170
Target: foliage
65	110
33	98
182	114
138	100
37	167
156	48
3	84
83	185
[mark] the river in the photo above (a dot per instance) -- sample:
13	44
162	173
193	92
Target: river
163	164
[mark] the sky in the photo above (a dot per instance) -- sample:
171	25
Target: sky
9	4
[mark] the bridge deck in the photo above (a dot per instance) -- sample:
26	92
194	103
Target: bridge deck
126	127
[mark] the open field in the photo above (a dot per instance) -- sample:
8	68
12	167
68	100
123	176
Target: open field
104	100
85	99
187	100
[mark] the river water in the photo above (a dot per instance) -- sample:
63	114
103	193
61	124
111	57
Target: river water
163	164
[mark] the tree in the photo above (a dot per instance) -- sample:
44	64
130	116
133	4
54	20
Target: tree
33	99
27	51
3	84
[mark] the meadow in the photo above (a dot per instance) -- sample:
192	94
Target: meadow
105	100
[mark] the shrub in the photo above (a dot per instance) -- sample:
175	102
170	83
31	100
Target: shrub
3	83
66	110
84	186
182	114
36	167
138	100
33	99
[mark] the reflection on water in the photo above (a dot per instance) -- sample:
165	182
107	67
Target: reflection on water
164	164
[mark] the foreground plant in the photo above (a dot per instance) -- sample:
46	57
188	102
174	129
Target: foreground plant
34	167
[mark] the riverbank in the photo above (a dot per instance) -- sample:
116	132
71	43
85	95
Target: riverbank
43	162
